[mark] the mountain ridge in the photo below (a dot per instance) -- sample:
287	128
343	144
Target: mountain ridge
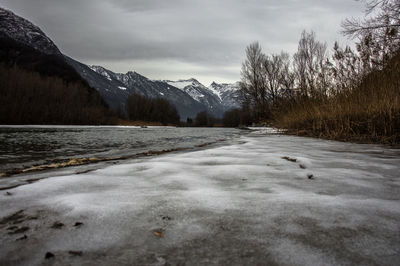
201	94
115	88
24	31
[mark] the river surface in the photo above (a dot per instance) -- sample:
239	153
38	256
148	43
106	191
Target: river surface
25	146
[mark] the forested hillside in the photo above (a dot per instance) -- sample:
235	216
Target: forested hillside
38	88
139	107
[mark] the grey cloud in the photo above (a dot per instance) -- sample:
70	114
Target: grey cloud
196	32
146	5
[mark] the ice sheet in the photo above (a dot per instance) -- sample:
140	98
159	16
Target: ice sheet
240	204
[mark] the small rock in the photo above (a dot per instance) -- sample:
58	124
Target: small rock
14	218
224	228
166	218
57	225
302	166
310	176
22	238
83	172
75	253
49	255
19	230
290	159
9	193
158	233
77	224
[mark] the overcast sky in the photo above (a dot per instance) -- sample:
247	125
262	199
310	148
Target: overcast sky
178	39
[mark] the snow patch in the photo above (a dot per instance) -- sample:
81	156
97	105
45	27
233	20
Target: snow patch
243	197
180	84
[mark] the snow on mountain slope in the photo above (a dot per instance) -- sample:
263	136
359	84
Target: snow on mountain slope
222	88
201	94
181	84
23	31
102	71
117	87
228	94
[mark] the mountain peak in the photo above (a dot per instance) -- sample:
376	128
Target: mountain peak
134	74
184	83
190	80
23	31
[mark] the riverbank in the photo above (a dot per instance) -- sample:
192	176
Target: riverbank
265	199
27	149
368	112
360	139
121	122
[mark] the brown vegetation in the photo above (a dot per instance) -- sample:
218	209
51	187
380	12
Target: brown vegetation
350	96
369	113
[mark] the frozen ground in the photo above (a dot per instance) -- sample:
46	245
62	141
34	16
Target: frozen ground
241	204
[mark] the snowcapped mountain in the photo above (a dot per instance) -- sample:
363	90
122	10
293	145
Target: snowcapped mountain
219	98
188	96
23	31
228	94
115	88
201	94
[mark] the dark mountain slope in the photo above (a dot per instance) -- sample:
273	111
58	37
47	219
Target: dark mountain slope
40	88
13	52
201	94
115	88
24	32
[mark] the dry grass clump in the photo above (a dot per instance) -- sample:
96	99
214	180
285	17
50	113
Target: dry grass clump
368	113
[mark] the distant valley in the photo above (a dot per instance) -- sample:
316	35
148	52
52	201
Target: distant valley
189	96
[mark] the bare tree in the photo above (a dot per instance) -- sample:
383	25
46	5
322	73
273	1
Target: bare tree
378	32
346	68
272	67
277	75
310	65
387	15
252	84
265	79
287	76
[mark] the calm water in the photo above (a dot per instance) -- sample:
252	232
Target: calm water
30	145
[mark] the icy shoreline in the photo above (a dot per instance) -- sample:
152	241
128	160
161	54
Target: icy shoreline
230	205
26	149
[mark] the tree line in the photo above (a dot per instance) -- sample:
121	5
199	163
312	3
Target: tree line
27	97
37	88
142	108
342	93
